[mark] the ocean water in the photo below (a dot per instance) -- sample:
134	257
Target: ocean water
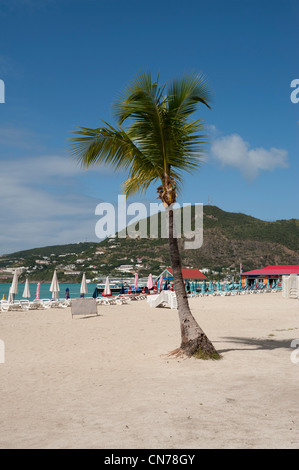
45	290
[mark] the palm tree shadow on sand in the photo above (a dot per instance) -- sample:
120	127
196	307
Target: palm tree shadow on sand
253	344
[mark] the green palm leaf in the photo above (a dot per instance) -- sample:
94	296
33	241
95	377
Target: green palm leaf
154	134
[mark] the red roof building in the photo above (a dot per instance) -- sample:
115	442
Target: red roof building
269	273
188	274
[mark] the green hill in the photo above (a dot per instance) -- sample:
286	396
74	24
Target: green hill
229	239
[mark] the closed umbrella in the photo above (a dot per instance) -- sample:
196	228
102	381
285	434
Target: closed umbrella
107	291
54	288
161	283
37	291
10	296
136	282
13	288
95	293
14	285
150	283
83	288
26	292
129	290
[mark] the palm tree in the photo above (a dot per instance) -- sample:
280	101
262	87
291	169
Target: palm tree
154	140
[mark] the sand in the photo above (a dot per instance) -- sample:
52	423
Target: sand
106	382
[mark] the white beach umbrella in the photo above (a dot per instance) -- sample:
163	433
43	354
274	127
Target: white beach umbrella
83	288
107	290
26	292
54	288
10	296
14	284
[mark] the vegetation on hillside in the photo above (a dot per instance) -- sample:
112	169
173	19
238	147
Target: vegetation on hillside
229	239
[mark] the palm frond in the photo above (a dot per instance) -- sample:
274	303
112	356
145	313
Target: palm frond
186	93
154	135
106	146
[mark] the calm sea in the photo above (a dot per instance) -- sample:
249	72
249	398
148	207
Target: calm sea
45	290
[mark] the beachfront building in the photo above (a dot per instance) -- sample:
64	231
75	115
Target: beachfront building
71	272
189	275
269	275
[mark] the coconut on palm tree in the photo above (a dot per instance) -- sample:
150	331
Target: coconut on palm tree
155	141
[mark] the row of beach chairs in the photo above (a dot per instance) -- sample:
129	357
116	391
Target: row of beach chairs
120	299
229	293
19	305
41	304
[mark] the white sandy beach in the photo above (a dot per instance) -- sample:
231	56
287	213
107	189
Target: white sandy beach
106	381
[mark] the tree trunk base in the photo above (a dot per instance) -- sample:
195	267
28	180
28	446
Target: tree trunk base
178	353
200	348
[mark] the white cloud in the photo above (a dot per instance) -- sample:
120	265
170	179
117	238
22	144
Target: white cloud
233	151
43	197
33	214
17	138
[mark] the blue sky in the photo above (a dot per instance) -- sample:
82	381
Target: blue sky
64	62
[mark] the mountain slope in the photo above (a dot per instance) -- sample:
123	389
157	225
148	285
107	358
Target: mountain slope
229	239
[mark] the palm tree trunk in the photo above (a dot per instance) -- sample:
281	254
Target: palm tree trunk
194	341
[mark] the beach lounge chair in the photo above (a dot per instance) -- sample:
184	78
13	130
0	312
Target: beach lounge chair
108	301
166	298
59	303
7	306
119	300
25	304
38	304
